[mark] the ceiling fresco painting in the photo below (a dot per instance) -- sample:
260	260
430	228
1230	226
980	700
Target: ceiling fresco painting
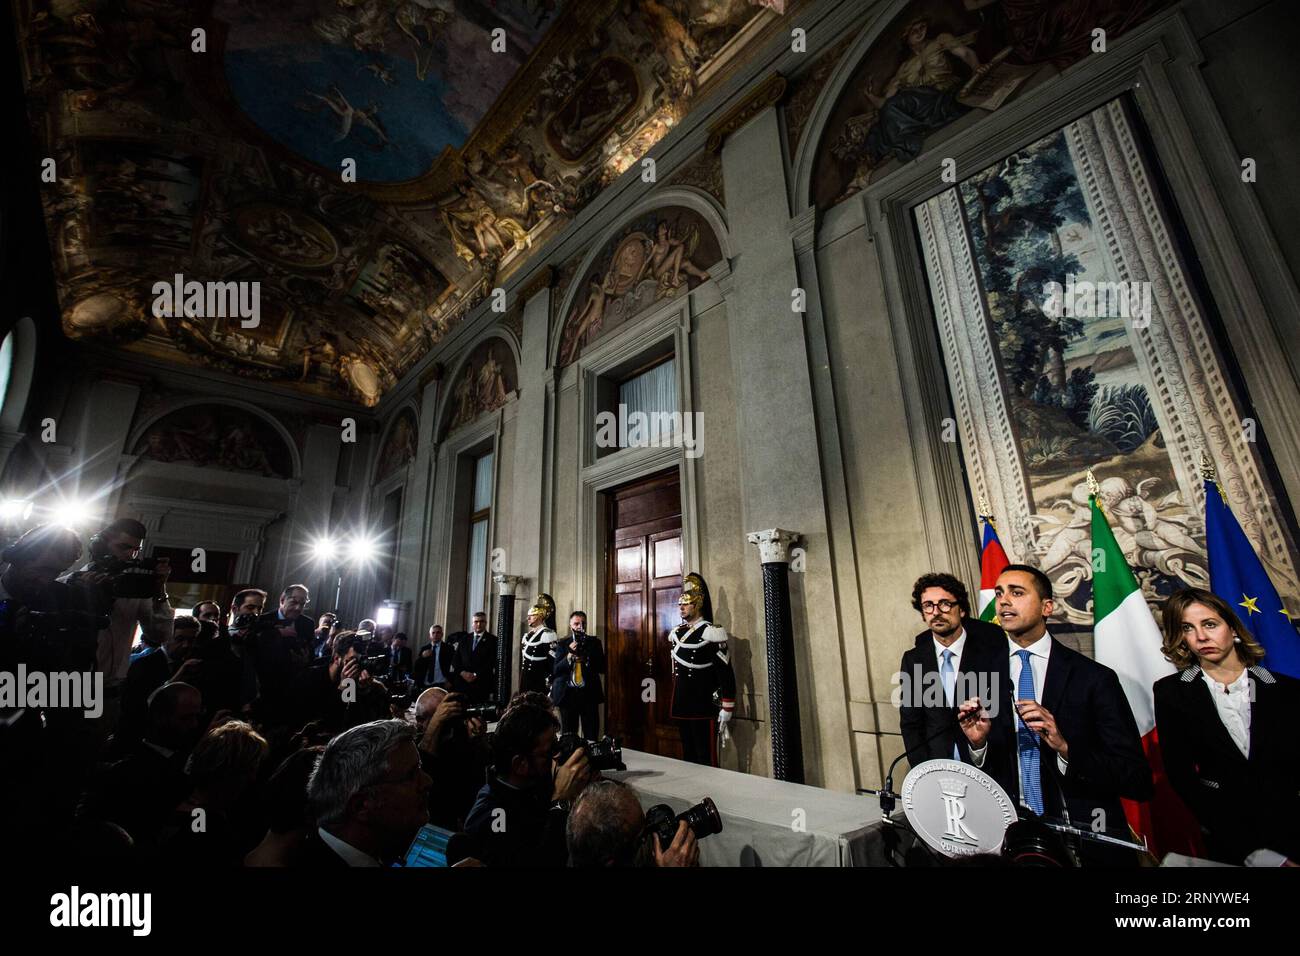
478	130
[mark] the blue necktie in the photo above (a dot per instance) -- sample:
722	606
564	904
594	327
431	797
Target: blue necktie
1031	782
948	674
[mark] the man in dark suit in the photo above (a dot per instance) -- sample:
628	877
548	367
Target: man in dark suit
1060	739
399	656
435	667
951	662
575	683
369	797
149	671
476	662
283	645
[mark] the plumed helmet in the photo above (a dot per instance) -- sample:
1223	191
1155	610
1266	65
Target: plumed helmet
695	591
545	606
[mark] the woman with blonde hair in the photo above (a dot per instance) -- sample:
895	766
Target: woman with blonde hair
1225	727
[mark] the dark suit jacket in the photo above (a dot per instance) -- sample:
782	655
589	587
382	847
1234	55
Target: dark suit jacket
1243	804
401	660
316	855
1106	758
145	675
929	726
482	662
279	660
591	692
533	836
423	672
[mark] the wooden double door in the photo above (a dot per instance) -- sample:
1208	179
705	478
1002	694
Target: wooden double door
643	579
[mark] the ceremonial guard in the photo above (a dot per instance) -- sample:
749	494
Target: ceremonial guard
704	685
537	646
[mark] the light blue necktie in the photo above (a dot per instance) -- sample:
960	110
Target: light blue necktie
1031	782
948	674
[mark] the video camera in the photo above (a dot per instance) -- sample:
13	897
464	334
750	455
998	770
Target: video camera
703	819
63	639
603	754
134	578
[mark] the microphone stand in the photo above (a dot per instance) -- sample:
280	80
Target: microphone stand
889	799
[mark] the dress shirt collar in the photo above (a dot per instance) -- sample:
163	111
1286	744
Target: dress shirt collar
1040	648
350	854
955	647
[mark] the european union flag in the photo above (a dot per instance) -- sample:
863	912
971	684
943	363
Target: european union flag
1237	576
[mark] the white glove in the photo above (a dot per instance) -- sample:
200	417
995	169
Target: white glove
724	715
724	732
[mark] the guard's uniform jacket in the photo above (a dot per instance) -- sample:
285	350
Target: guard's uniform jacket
701	665
537	646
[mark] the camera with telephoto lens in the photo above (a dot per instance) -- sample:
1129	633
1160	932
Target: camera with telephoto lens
603	754
57	640
488	713
134	578
703	819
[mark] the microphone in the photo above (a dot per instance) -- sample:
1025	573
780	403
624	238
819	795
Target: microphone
889	799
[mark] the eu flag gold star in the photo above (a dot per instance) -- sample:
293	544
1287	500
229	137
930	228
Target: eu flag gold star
1249	604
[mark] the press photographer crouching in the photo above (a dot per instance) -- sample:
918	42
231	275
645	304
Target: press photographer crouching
345	691
132	591
531	790
454	751
607	828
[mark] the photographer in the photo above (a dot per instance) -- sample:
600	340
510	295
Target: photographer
132	591
454	751
44	627
608	828
532	792
575	681
342	693
43	620
324	628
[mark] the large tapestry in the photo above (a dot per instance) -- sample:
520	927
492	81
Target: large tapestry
1074	340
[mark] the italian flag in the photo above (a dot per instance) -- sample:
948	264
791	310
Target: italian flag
992	561
1127	641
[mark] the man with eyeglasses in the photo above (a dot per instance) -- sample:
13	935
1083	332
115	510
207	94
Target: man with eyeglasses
519	816
369	797
952	662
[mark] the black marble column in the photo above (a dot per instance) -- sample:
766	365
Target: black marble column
782	685
505	635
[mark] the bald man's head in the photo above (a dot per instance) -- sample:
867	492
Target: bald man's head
605	825
427	703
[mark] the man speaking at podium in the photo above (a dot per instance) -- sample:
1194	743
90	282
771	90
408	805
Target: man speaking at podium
1062	741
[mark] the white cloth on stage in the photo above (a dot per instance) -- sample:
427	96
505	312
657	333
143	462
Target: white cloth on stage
759	815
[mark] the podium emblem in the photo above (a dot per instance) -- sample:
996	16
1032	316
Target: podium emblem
956	809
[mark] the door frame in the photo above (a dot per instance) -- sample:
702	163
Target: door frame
598	475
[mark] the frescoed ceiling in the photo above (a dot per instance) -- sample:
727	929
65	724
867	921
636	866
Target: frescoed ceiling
376	166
